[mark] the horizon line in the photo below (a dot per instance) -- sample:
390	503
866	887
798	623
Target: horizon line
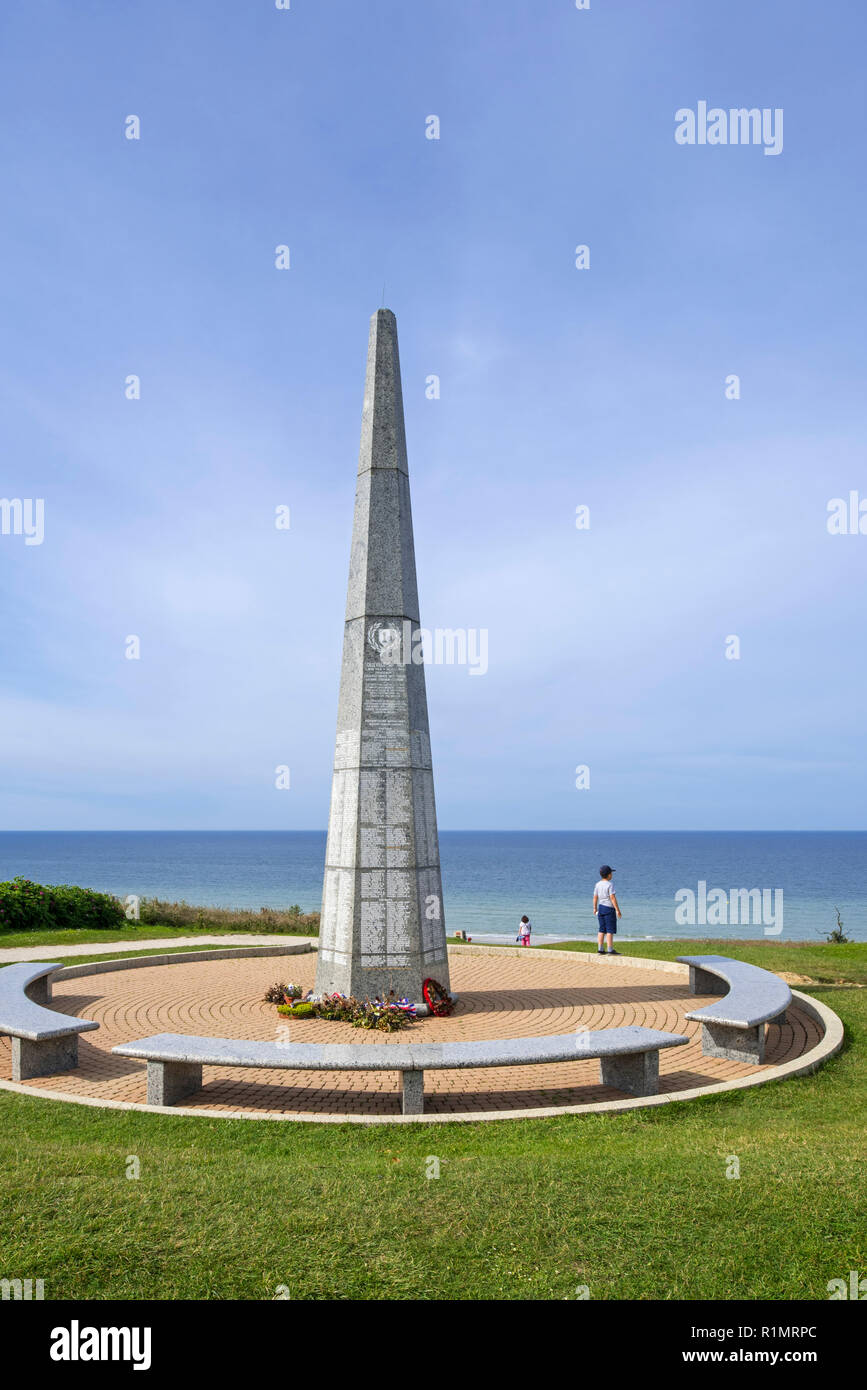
453	830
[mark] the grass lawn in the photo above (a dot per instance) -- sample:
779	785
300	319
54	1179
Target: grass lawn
818	961
635	1206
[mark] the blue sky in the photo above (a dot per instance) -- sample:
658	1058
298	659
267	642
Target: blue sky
559	387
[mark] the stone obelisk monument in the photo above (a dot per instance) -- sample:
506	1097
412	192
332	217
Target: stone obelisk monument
382	926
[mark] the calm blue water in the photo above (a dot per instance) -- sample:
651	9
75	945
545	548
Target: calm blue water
490	877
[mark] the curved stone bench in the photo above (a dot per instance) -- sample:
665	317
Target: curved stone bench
43	1042
629	1059
735	1027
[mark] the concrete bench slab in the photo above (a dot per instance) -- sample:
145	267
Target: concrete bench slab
735	1027
43	1042
629	1058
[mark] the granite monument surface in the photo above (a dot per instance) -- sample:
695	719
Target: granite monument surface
382	927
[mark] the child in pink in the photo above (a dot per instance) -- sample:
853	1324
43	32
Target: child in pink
524	930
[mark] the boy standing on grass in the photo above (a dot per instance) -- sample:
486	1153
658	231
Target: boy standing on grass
607	910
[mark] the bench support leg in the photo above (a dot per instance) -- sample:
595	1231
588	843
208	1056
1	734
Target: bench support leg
635	1072
40	990
169	1082
412	1093
702	982
736	1044
43	1058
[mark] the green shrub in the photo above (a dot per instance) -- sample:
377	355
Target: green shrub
74	909
24	906
303	1009
28	906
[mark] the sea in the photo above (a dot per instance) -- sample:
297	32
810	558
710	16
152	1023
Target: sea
670	884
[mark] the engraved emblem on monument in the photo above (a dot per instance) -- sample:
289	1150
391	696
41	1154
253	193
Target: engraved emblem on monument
384	638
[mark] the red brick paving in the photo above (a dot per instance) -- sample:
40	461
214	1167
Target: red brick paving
500	997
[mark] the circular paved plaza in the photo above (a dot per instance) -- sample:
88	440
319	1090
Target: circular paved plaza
501	996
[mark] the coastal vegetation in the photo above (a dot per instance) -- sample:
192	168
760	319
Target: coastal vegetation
159	912
37	908
27	906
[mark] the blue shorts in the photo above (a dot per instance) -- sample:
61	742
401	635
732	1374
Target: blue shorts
607	920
